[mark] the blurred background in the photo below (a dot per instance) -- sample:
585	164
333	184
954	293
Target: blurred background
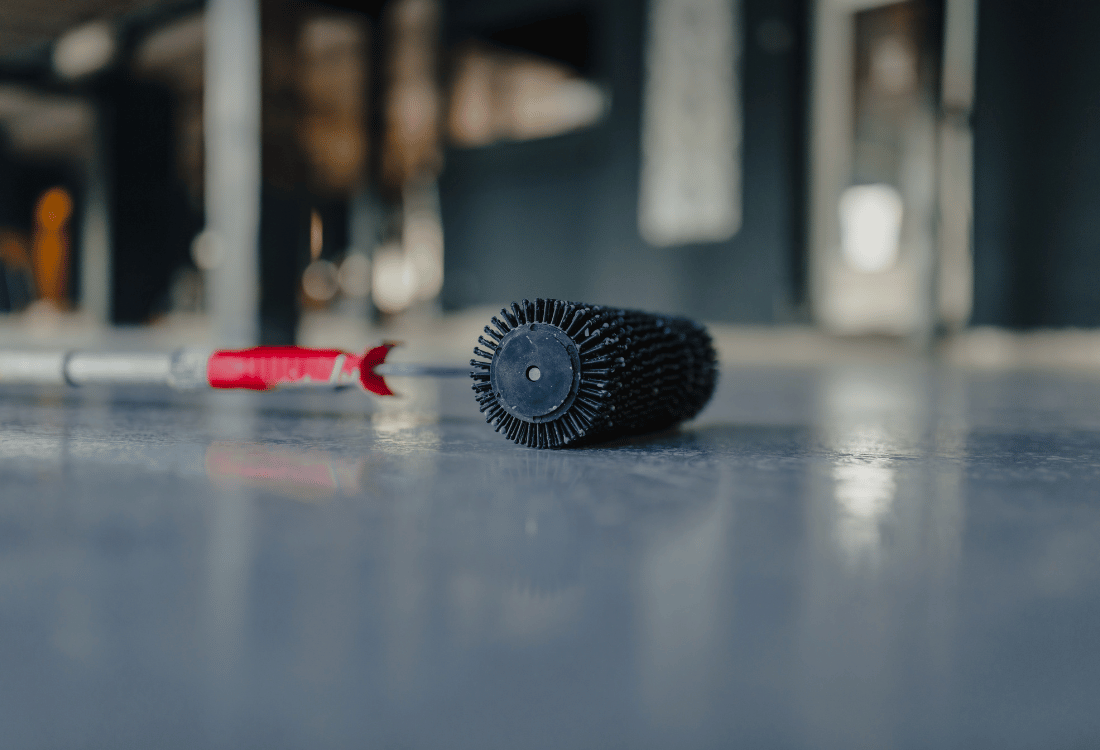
267	171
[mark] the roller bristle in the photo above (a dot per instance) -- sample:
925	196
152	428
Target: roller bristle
638	372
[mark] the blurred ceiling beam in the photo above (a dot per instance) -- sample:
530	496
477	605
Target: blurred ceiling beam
174	51
47	125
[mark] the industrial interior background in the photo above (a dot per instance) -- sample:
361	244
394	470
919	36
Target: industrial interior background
520	134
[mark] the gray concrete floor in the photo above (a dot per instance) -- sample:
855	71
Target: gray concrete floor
871	556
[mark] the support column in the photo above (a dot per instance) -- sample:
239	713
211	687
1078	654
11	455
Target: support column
232	133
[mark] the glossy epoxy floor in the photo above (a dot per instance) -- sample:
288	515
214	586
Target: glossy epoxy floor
890	556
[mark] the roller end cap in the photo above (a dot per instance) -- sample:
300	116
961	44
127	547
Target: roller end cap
536	372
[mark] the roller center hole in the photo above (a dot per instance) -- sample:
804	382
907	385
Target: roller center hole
533	373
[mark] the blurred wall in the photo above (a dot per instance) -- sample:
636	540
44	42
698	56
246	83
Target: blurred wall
1037	164
558	217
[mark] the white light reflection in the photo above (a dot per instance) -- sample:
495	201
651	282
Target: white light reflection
411	270
864	495
207	250
424	245
394	279
869	423
354	275
870	226
877	612
44	448
321	280
411	419
84	50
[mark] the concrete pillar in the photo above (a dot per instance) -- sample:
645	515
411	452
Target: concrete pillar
232	133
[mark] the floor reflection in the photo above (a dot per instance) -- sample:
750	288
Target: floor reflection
864	496
877	628
230	562
300	474
899	559
684	595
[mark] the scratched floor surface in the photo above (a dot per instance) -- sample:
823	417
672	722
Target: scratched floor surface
862	557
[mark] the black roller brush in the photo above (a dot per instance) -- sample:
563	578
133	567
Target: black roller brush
555	374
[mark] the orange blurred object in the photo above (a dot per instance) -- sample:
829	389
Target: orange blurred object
51	244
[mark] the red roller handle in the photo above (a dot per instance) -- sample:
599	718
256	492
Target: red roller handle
265	368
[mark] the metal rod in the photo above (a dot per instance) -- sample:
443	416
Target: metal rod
83	368
403	370
40	368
